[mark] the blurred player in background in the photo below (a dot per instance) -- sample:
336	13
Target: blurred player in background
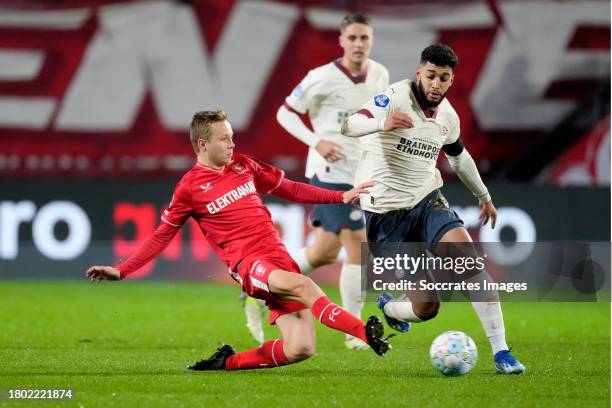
406	127
329	94
221	193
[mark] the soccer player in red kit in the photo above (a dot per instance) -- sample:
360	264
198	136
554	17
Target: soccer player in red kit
221	193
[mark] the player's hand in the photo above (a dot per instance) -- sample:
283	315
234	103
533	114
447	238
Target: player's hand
352	196
331	151
100	273
398	120
488	212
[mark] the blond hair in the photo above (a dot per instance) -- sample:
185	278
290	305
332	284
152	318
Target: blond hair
200	125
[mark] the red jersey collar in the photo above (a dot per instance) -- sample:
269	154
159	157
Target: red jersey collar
205	167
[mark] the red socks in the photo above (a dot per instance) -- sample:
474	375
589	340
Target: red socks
337	318
269	355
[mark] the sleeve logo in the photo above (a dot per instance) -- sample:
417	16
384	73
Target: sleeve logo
297	91
381	100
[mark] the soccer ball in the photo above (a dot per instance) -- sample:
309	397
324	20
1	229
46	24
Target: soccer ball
453	353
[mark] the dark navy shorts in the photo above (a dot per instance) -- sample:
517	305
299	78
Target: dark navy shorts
334	217
427	222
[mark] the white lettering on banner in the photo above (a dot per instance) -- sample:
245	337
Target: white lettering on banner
79	230
158	46
13	214
135	50
525	58
507	217
22	111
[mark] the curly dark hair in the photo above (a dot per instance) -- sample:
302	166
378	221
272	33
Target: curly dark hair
441	55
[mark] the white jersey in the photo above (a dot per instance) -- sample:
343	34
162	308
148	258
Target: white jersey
402	162
330	94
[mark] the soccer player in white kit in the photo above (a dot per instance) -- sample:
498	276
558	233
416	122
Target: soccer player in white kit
403	131
329	94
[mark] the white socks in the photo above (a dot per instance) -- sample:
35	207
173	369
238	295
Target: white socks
302	260
490	314
350	289
401	308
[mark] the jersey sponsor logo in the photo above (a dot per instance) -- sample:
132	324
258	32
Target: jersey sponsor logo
238	168
381	100
418	148
206	186
231	197
297	91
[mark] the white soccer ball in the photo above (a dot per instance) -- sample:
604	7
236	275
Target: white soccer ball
453	353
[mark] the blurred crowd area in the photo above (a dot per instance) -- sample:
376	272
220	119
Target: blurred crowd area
106	89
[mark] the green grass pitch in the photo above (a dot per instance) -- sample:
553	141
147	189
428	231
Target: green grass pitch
128	344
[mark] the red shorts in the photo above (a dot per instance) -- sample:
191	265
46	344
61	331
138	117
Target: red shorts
254	271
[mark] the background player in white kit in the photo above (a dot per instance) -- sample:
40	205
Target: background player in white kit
406	127
329	94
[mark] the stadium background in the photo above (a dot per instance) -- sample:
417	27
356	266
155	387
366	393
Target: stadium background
95	101
96	98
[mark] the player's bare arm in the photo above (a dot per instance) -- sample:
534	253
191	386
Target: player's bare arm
488	212
100	273
352	196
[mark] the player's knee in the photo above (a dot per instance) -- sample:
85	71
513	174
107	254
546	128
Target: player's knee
426	310
301	285
324	257
300	351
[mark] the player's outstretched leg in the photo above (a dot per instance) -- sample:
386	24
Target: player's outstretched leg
292	286
297	344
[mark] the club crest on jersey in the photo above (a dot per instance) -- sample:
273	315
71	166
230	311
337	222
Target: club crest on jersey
238	168
381	100
444	131
260	270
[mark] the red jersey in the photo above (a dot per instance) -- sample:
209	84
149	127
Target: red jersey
227	206
230	212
